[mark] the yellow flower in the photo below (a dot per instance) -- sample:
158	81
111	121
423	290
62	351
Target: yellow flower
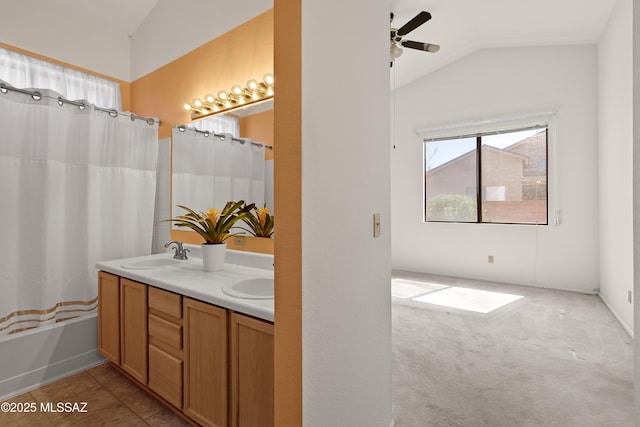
213	214
262	215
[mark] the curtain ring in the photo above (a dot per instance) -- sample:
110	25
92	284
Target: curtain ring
36	96
182	128
113	113
150	121
3	88
60	101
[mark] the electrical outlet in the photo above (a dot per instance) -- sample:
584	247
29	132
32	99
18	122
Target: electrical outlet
490	259
629	297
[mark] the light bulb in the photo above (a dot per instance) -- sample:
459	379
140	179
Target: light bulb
432	48
197	103
209	98
396	52
252	84
268	79
187	107
236	90
222	95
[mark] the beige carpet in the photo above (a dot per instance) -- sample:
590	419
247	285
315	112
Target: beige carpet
550	358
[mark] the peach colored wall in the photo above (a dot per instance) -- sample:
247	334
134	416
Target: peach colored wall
288	199
259	127
243	53
125	87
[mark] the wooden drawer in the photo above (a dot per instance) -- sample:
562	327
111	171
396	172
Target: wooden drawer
165	375
165	302
165	331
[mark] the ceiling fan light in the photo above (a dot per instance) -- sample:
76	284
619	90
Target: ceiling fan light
395	51
433	48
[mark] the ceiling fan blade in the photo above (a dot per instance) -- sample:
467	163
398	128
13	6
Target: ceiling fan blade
417	20
427	47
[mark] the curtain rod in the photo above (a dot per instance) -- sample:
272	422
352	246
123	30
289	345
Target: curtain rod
37	96
221	136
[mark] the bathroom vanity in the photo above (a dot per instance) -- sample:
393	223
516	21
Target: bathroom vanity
200	341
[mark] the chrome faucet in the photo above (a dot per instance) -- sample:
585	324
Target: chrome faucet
181	253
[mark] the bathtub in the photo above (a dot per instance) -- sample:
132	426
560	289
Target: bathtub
39	356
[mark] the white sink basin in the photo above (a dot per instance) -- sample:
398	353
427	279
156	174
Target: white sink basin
254	288
150	263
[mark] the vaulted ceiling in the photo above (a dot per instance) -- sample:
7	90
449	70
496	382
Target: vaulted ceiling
460	27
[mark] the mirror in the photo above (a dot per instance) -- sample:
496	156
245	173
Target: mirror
224	157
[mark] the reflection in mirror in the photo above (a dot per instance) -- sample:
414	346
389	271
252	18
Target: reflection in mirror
213	163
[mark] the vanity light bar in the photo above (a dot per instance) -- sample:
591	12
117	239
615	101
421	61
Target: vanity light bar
236	97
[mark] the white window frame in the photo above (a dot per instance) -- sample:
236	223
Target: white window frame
502	124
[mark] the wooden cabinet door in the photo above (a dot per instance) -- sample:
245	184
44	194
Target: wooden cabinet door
165	375
205	363
133	329
251	372
109	316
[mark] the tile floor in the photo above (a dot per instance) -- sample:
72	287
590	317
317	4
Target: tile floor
111	400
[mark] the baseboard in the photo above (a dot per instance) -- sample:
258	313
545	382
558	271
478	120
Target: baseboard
626	327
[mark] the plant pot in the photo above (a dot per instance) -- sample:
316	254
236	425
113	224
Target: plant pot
213	255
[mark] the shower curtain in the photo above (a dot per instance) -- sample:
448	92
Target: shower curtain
209	171
77	186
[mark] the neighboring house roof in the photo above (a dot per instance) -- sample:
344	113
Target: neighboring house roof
458	159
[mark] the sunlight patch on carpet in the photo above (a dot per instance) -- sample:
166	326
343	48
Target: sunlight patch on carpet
405	288
469	299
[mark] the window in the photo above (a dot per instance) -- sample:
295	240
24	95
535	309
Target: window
498	177
24	71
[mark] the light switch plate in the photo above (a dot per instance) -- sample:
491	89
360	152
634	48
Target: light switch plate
376	225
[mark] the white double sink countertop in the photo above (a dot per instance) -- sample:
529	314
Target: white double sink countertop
188	278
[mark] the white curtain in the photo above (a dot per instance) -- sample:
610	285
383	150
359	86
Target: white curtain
219	124
77	186
209	171
24	71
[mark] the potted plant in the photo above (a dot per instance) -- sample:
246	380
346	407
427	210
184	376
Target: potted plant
260	222
214	226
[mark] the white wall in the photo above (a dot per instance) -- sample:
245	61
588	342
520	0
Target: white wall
497	83
55	30
346	301
615	155
636	199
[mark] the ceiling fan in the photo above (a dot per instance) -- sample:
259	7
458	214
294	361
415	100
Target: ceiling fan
397	37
